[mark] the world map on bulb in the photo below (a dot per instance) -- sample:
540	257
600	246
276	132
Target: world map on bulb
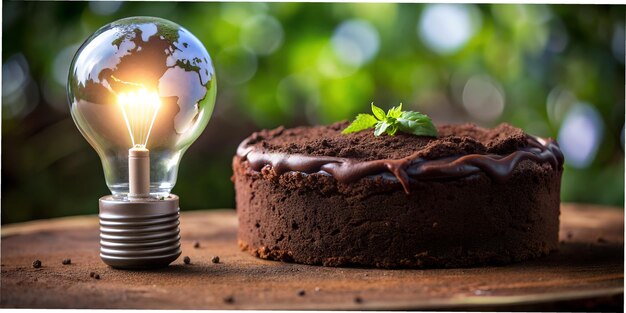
143	53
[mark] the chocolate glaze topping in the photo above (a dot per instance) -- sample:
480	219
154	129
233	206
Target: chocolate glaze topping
419	165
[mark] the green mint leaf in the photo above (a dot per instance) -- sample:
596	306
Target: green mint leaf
361	122
392	129
394	120
380	128
395	112
378	112
417	124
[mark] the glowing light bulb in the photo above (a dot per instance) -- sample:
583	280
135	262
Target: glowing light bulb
141	90
141	82
139	110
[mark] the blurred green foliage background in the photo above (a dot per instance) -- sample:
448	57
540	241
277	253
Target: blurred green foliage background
554	70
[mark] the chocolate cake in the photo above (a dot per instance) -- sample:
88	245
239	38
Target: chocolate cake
472	196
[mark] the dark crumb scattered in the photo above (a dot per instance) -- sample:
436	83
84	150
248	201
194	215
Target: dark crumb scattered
358	299
97	276
317	289
569	235
196	244
187	260
366	274
215	259
92	274
36	264
562	242
602	240
229	299
67	261
301	292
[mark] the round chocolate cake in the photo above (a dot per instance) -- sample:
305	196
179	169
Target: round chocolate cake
472	196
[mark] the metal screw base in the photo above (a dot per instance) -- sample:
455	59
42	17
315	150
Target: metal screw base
139	234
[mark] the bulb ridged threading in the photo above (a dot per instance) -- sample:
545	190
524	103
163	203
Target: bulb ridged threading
139	234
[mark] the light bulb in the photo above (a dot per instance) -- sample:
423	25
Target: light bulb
139	110
141	82
141	90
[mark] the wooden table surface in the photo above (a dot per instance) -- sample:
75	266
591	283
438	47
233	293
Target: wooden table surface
587	272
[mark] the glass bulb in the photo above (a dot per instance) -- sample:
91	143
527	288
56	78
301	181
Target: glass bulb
141	83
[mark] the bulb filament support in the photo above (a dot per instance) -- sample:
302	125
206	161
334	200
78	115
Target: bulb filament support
138	173
139	109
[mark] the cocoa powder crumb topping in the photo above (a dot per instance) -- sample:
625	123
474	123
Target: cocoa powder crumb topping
364	146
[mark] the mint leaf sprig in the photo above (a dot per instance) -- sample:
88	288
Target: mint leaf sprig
409	122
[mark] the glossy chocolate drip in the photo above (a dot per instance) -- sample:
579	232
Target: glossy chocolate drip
345	170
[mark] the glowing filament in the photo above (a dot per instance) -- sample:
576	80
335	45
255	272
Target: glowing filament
139	109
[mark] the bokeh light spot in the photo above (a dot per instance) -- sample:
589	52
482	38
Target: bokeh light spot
558	37
558	103
330	65
104	8
483	98
20	94
238	14
446	28
262	34
61	64
237	64
580	135
355	42
15	68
